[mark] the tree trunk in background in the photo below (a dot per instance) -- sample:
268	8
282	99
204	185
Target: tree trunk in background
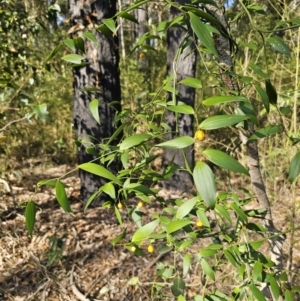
102	73
141	16
185	67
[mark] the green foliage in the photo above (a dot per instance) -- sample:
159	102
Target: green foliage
206	213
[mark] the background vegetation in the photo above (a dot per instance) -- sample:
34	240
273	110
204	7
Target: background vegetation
36	118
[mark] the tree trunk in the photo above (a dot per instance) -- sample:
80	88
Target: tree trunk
226	64
184	66
101	73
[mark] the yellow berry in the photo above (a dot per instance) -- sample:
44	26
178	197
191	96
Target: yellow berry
120	206
199	135
199	224
150	249
142	55
140	204
132	249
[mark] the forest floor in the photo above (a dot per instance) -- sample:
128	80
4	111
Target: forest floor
72	258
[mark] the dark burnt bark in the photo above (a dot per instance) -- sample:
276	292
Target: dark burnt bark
101	73
184	66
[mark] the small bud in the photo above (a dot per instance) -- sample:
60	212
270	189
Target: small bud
140	204
120	206
132	249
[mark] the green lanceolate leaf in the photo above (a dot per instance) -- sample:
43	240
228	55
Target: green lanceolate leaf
258	71
109	189
94	108
89	35
133	141
70	43
177	225
204	180
62	197
288	296
207	269
144	232
30	216
264	97
186	208
271	92
79	44
183	109
257	293
119	238
53	53
178	287
279	45
177	143
274	288
225	161
215	100
128	17
191	82
110	23
221	121
73	58
239	212
294	167
99	170
202	33
265	132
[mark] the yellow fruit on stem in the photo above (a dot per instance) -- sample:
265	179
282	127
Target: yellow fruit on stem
199	224
120	206
150	249
140	204
199	135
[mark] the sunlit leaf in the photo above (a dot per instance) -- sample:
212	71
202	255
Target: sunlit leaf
225	161
202	33
178	143
89	35
204	180
207	269
220	121
73	58
215	100
99	170
186	208
144	232
183	109
133	141
177	225
191	82
94	108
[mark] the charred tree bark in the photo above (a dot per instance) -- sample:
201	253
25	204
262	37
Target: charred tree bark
182	67
101	73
